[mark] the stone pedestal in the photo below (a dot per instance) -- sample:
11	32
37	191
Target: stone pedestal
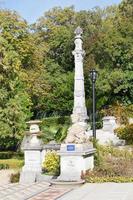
75	160
32	160
32	156
106	135
109	123
32	167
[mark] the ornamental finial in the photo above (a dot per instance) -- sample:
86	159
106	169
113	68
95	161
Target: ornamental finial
78	31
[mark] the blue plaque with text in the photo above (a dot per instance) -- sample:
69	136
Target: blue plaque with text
71	147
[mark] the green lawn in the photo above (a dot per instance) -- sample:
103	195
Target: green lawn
13	163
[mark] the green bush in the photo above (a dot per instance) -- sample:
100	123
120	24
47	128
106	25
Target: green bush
111	165
19	155
11	154
112	162
14	178
56	121
6	154
51	164
4	166
126	133
99	125
55	128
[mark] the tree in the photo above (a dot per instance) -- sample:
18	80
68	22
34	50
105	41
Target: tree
14	100
113	55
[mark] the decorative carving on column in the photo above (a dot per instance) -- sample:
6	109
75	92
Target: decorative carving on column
79	92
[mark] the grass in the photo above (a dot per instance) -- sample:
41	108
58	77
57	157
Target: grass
13	163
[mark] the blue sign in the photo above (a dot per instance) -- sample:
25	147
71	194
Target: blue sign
71	147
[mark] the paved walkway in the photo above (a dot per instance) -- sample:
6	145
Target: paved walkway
5	175
38	191
105	191
43	191
51	194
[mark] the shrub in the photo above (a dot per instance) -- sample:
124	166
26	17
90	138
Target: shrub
11	154
51	164
112	165
112	162
126	133
55	121
121	112
4	166
19	155
6	154
14	178
97	156
55	128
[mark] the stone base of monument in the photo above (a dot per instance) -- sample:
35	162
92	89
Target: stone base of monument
32	168
75	160
27	177
106	135
32	147
45	178
57	182
107	138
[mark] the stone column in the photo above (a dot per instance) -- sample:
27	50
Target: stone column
79	92
77	132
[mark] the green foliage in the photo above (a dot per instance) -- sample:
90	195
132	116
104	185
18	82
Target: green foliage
116	152
4	166
11	154
59	100
117	179
126	133
12	123
14	178
14	102
55	128
98	159
6	155
12	163
108	46
121	112
111	165
55	121
111	161
51	164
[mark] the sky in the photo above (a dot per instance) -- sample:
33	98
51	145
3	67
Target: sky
31	10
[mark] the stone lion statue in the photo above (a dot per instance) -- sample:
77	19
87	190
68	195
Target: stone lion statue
76	134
